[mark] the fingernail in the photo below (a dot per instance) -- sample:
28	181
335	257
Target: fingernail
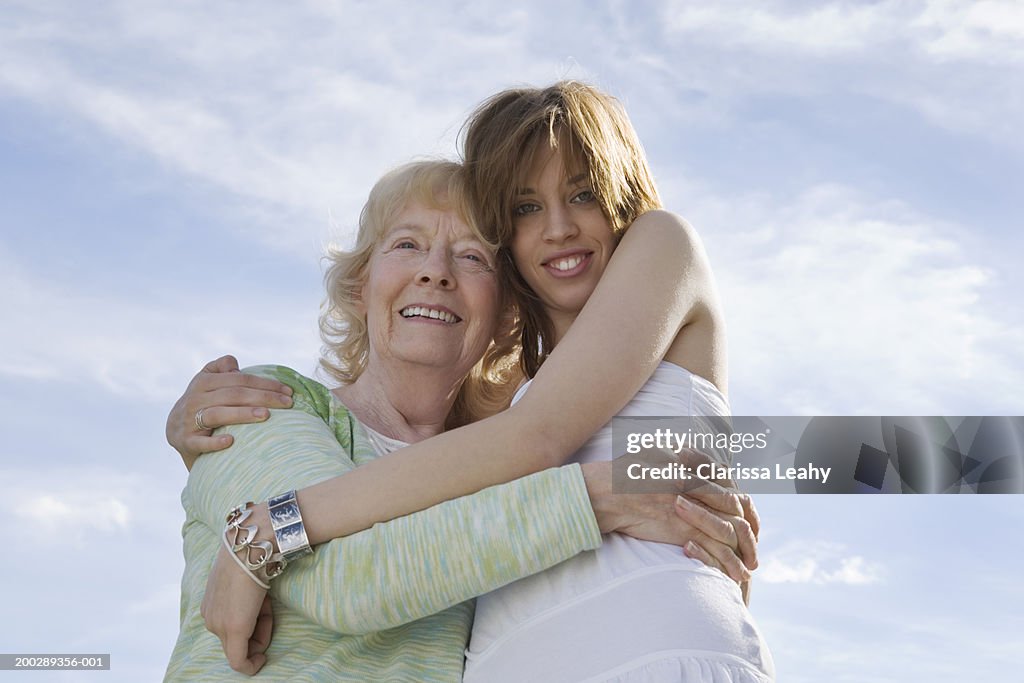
683	503
260	412
286	400
690	549
287	390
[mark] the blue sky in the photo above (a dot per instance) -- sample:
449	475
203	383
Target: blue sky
170	173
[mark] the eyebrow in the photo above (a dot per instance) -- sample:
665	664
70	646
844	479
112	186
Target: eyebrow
416	228
405	227
575	180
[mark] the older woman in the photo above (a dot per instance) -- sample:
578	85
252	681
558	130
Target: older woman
419	305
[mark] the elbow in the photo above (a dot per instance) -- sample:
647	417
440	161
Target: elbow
662	219
669	231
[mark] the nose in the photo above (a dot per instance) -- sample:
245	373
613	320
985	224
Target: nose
436	269
560	225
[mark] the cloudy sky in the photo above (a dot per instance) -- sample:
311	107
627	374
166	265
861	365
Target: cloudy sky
170	173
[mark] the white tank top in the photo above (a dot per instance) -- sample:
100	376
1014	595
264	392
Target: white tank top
630	610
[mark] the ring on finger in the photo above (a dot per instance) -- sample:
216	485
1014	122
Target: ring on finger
200	425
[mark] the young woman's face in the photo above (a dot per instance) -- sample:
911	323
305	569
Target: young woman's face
562	240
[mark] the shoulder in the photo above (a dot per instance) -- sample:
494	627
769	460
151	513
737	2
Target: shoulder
661	229
307	393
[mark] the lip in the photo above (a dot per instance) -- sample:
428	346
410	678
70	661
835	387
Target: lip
587	257
424	319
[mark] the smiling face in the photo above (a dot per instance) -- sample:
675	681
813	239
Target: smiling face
431	292
562	240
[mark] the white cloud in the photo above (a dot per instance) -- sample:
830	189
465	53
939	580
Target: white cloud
52	514
83	504
822	28
136	349
955	64
818	562
988	31
291	112
296	120
842	304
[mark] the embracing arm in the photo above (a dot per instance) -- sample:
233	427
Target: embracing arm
621	335
410	567
414	566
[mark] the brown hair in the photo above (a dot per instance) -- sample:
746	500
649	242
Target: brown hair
499	142
435	184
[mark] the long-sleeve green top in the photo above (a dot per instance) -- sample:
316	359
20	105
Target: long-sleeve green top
392	603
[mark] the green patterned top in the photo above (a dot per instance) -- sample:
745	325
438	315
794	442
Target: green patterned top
392	603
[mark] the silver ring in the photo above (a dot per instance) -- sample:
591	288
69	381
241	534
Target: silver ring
200	425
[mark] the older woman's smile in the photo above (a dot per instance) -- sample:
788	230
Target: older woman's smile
430	313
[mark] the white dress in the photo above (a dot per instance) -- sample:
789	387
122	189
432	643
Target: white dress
631	610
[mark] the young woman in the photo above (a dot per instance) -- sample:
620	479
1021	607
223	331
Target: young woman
566	184
611	320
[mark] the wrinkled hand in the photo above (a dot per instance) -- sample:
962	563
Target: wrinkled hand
749	515
238	611
715	524
226	397
747	529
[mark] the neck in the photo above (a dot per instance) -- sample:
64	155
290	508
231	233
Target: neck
410	402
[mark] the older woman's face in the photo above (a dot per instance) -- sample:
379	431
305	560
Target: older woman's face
431	293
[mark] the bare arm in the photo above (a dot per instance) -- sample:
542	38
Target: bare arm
626	328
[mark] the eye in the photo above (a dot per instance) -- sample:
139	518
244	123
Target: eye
525	208
477	260
405	244
584	197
